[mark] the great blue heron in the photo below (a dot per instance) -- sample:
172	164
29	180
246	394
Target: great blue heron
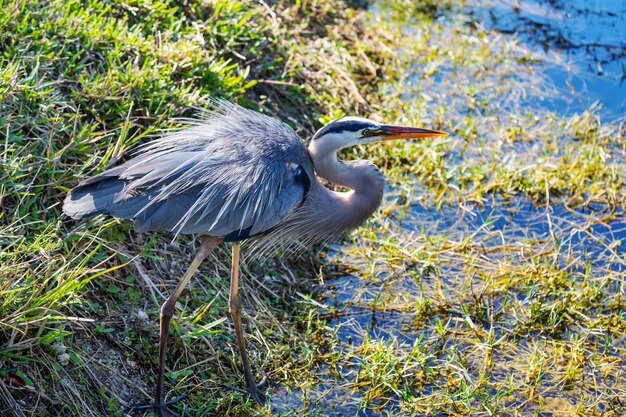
238	174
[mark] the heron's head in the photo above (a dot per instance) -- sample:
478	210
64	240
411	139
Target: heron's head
351	131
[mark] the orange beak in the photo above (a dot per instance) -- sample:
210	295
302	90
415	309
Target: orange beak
389	132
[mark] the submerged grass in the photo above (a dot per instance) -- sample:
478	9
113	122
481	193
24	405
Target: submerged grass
495	287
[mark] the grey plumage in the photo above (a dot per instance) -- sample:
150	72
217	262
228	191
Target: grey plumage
326	215
221	176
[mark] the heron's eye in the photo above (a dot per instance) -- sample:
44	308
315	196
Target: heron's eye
366	132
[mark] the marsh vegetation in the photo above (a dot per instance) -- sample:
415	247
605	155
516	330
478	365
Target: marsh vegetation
491	282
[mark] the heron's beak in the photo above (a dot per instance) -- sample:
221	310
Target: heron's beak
389	132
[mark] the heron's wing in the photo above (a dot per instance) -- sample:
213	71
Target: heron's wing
235	175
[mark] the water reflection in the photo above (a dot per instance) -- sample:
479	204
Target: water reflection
584	42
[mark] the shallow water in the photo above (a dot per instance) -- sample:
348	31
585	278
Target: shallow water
582	63
584	42
362	310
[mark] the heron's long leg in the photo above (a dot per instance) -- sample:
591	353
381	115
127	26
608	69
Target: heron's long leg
235	314
167	310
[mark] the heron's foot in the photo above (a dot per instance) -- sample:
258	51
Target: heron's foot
252	390
161	407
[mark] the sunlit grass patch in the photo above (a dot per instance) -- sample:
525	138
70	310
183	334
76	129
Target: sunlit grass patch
508	317
80	84
505	265
495	286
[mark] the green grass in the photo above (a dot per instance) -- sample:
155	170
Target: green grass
492	281
80	83
481	320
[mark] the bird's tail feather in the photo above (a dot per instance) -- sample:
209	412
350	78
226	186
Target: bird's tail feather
92	197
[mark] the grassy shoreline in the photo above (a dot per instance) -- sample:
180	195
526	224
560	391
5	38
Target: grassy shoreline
482	318
80	83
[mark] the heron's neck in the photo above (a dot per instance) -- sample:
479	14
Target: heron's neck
365	181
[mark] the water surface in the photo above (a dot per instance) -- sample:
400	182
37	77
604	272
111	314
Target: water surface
583	42
481	253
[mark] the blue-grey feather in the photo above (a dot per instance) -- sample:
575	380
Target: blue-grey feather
232	171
